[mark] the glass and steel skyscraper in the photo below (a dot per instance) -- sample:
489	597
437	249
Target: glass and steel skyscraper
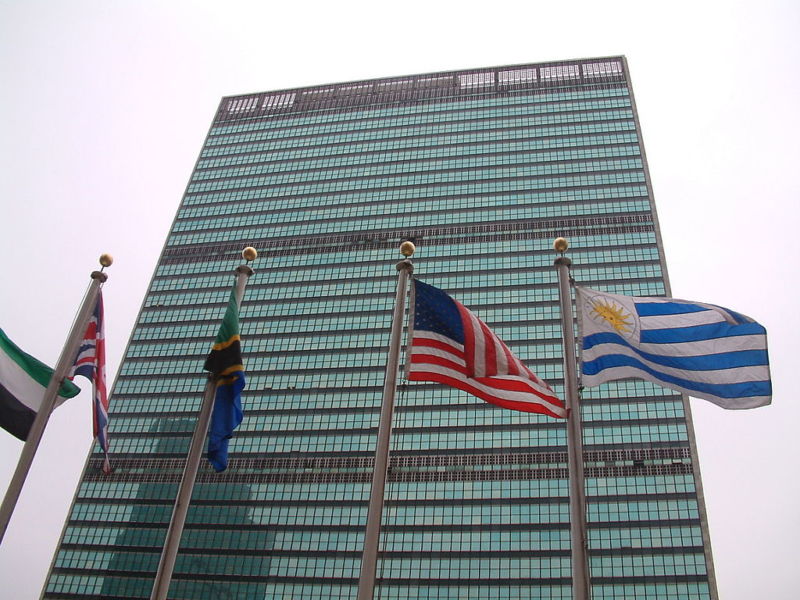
482	169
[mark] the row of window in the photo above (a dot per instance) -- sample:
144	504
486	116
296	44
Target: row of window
438	105
379	278
458	416
503	208
423	212
350	417
435	112
334	157
324	169
346	131
421	148
337	442
400	199
376	141
530	252
133	587
540	309
300	343
240	565
302	360
406	115
401	149
396	491
417	394
518	287
325	381
302	540
258	199
658	565
398	515
331	180
301	380
194	381
640	485
502	307
215	539
202	333
389	222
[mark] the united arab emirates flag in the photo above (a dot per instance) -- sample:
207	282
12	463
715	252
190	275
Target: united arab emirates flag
23	381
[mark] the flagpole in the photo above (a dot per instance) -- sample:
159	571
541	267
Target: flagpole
169	554
65	362
577	494
369	558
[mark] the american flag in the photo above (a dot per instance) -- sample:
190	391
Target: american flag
450	345
91	363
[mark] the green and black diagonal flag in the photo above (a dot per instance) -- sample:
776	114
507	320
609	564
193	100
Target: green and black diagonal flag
225	362
23	381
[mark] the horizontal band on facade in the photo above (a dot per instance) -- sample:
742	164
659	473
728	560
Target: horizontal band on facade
318	478
540	229
674	461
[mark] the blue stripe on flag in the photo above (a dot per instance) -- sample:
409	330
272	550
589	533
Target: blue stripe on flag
697	333
653	309
706	362
746	389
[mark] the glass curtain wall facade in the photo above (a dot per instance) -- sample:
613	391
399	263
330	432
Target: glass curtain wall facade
482	169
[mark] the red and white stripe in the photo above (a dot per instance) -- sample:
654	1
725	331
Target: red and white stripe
484	367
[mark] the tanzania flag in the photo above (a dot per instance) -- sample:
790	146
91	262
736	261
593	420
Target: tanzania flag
225	362
23	381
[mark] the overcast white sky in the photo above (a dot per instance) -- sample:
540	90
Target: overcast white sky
104	106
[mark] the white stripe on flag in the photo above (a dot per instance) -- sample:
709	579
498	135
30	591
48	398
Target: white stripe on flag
704	317
719	376
703	347
479	358
456	357
524	397
20	384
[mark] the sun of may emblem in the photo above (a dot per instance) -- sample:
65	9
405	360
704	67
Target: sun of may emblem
613	314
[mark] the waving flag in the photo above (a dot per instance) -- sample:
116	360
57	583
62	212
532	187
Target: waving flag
91	363
450	345
698	349
225	362
23	381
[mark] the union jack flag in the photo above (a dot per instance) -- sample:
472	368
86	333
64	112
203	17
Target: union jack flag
450	345
91	363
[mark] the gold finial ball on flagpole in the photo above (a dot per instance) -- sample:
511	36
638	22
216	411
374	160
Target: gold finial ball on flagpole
560	245
106	260
249	254
407	248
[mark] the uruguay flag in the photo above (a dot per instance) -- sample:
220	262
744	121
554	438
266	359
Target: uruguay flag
701	350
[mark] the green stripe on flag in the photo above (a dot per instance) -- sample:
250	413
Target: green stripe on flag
230	323
34	368
227	350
